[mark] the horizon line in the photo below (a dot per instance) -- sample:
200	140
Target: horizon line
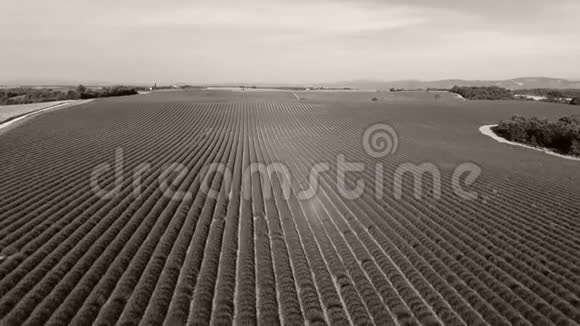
374	80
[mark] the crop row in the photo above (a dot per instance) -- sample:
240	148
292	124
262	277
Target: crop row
254	251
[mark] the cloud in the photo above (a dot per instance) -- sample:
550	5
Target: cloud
316	17
298	40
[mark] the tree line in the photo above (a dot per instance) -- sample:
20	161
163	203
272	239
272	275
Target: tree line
26	95
483	93
564	96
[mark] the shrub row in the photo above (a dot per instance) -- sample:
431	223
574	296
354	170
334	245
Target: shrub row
45	277
532	315
192	242
285	282
268	311
94	287
127	297
202	300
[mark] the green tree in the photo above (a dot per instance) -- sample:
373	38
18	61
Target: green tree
81	89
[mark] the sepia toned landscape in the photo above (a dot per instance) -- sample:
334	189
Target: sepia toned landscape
290	163
110	215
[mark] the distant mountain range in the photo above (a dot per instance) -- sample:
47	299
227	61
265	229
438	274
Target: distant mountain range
516	83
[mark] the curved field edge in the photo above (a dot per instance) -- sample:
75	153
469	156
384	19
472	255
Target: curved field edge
13	120
8	112
487	131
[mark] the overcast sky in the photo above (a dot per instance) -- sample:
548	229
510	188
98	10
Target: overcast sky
287	41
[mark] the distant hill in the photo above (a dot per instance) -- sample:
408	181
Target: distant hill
513	84
516	83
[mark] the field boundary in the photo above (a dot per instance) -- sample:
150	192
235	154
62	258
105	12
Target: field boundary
486	130
4	125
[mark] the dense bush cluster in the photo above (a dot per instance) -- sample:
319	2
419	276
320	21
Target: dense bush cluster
105	92
562	135
483	93
23	95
